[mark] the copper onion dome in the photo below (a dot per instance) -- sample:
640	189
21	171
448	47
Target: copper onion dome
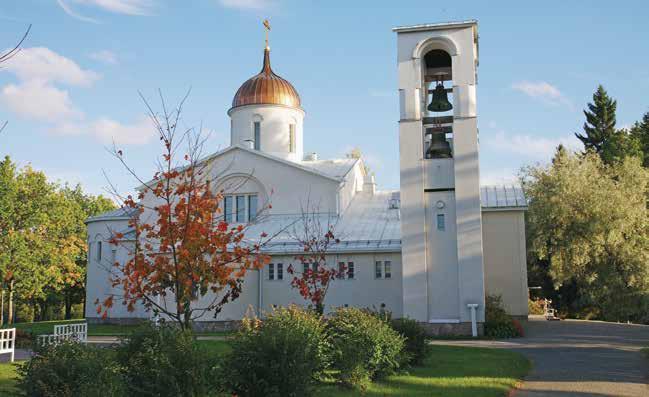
266	88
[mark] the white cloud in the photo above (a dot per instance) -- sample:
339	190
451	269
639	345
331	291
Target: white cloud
109	131
503	176
537	148
40	101
104	56
45	65
127	7
543	91
247	4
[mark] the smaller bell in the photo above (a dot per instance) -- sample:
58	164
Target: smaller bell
439	102
439	148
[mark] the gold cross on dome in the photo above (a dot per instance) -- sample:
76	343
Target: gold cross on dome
267	27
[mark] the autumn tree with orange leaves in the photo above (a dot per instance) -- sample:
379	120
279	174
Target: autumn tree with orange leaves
184	249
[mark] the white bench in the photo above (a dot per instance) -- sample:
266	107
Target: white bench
8	342
65	332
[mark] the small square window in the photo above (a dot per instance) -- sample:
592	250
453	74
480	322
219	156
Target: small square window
378	271
387	269
441	222
280	271
350	270
271	271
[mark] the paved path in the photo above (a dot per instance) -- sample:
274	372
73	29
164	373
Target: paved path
580	358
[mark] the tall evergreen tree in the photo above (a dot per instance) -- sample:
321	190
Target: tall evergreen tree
640	131
600	121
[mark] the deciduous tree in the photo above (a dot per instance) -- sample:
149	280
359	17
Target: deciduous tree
187	260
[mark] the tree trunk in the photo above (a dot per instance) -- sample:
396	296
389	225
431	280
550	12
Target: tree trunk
2	307
10	308
68	305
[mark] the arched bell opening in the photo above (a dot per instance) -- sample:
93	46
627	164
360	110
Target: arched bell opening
438	104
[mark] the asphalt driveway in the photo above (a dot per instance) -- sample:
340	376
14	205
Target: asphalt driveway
580	358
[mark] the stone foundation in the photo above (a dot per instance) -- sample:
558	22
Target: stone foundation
451	329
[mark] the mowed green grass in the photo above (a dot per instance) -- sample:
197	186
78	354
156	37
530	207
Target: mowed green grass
449	371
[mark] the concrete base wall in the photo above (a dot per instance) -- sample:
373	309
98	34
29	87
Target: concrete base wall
446	329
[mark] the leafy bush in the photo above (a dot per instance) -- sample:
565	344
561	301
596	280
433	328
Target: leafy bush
70	370
283	355
165	361
363	346
499	324
416	347
535	306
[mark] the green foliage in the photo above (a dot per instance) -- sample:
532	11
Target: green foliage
535	306
416	347
43	239
165	361
363	347
588	231
283	355
499	324
70	370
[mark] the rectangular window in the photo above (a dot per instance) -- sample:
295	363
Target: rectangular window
98	250
441	224
350	270
305	268
280	271
291	138
241	208
228	208
341	270
378	269
257	137
271	271
252	207
387	270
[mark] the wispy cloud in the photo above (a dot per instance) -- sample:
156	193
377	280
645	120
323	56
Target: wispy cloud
501	176
125	7
247	4
45	65
104	56
542	91
532	147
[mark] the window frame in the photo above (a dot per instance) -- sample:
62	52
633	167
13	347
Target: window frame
378	269
441	222
291	138
351	270
271	272
387	270
256	133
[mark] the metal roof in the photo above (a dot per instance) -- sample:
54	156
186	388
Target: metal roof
335	168
502	197
369	224
435	26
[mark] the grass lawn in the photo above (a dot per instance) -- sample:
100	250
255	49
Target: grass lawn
449	371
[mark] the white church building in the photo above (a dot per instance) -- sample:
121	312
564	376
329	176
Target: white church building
430	251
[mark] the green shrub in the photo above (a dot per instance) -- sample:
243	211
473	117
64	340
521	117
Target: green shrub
416	347
499	324
283	355
535	306
165	361
70	370
363	346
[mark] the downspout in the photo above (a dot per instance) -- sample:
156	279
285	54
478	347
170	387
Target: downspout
260	299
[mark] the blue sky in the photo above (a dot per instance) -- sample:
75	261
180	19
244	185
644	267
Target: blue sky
75	86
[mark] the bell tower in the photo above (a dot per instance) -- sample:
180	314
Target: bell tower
441	227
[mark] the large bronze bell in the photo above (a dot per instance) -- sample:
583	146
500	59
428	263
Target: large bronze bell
439	102
439	148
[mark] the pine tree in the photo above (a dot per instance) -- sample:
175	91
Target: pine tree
600	121
640	131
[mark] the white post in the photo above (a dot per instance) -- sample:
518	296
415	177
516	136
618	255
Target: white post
474	324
